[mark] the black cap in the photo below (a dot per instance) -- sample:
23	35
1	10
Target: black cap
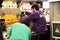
39	2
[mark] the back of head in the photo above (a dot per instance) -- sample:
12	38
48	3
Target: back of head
2	21
35	6
40	3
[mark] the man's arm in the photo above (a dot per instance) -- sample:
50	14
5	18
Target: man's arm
9	31
33	16
28	13
28	18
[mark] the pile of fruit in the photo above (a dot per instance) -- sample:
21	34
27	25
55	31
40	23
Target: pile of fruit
9	19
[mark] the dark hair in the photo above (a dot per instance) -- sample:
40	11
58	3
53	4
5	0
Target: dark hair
35	6
1	3
2	20
39	2
18	2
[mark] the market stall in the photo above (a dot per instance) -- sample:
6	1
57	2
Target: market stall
11	13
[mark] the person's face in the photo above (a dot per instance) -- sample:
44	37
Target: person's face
33	10
40	6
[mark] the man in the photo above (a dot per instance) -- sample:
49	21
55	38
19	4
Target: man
19	31
2	25
39	22
40	4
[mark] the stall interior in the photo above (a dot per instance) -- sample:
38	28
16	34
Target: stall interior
11	13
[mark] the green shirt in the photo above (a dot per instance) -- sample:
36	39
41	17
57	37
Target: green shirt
19	31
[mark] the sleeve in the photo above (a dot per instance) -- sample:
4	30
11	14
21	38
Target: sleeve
30	17
28	13
9	31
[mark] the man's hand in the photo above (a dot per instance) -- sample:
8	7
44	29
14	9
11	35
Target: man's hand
24	17
7	36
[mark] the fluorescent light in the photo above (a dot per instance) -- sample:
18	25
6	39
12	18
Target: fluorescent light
46	4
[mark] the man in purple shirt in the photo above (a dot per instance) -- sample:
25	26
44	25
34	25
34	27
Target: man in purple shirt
39	22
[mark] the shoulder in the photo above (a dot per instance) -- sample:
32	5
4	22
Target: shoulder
19	24
16	24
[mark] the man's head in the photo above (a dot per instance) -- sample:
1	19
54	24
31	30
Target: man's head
39	4
2	21
35	7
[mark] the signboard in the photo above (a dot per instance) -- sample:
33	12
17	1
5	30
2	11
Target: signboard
56	29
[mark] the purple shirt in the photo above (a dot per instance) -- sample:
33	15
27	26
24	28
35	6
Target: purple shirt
39	22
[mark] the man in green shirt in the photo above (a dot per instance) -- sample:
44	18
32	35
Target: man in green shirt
19	31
